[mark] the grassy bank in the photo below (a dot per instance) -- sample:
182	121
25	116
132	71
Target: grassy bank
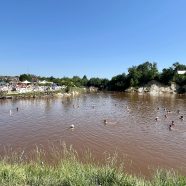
70	171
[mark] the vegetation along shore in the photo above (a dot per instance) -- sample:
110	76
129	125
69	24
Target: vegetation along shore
70	171
144	78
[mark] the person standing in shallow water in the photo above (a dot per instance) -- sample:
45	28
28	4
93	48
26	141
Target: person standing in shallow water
17	109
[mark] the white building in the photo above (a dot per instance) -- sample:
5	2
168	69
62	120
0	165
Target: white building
181	72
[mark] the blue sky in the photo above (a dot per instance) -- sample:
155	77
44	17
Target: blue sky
93	37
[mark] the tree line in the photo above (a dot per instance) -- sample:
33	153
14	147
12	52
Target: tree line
137	76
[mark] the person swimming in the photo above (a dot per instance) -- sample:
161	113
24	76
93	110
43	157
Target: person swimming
181	117
156	119
72	126
170	127
172	123
105	121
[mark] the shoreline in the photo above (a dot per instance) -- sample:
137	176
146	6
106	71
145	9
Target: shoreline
156	88
153	88
74	91
65	95
58	93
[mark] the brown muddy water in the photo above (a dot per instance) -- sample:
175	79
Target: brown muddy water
131	129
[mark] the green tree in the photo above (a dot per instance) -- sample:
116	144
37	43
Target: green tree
177	66
84	80
104	84
167	75
147	71
51	79
118	83
142	74
96	82
133	76
77	81
170	74
179	78
24	77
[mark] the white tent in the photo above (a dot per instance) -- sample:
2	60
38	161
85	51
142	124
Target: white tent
43	82
25	82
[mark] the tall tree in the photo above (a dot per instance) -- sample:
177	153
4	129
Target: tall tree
24	77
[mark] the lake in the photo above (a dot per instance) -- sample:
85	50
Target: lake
131	130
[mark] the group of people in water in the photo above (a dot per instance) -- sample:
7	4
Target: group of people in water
172	125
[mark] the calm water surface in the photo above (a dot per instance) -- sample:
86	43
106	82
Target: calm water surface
131	129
